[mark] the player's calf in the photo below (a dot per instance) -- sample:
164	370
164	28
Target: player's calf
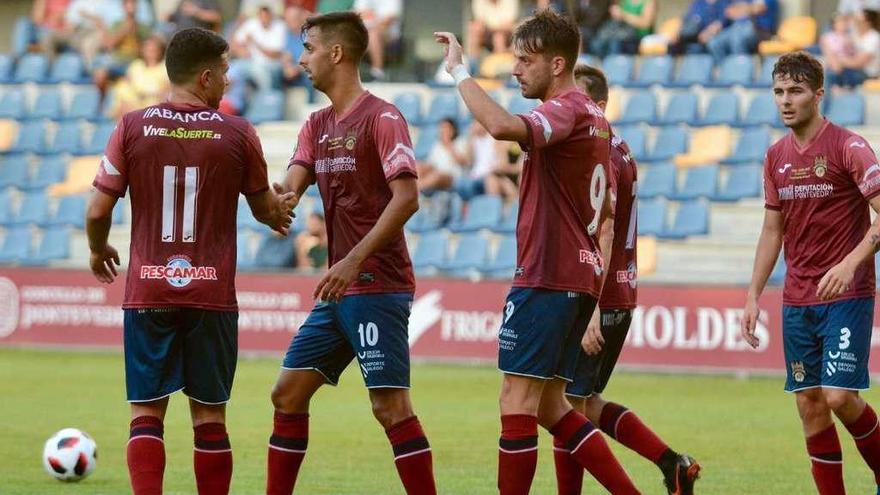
290	428
412	452
145	454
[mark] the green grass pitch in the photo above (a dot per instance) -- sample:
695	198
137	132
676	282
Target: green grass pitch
745	432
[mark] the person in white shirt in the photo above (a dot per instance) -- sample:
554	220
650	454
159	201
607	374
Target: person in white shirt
446	161
491	26
259	44
383	20
852	70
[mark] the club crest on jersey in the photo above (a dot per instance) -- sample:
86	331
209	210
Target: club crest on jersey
350	141
820	166
178	272
798	372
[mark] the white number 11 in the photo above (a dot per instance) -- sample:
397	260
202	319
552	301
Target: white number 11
169	203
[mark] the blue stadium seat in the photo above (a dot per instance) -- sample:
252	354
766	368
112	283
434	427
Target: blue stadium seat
444	105
47	104
636	138
692	218
618	69
519	104
31	138
670	141
641	107
503	263
777	276
266	106
14	171
659	181
681	109
34	209
410	105
21	35
245	219
652	216
84	104
430	252
12	105
69	68
469	255
67	139
508	223
742	182
31	67
6	64
654	70
55	245
847	109
735	70
52	170
16	245
699	182
723	109
244	253
695	69
98	140
71	212
432	213
751	147
275	252
765	75
6	214
762	111
483	212
428	135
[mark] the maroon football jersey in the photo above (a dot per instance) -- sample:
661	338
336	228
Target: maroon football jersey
619	291
184	167
353	157
822	190
563	186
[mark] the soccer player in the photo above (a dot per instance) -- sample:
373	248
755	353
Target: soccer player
818	182
605	335
359	152
559	265
185	165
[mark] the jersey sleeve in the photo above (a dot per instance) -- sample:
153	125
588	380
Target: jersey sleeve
394	145
548	124
256	178
304	153
861	162
771	194
614	166
112	177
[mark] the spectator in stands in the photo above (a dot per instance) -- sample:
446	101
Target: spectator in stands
311	244
837	42
589	15
292	72
864	63
327	6
849	8
248	9
631	20
195	13
259	44
122	44
491	26
446	160
383	20
48	18
145	82
703	20
489	160
751	21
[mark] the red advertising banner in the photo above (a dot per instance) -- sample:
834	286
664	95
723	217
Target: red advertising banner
674	327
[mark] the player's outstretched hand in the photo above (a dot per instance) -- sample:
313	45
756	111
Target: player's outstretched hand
283	215
593	340
836	281
452	54
104	264
332	287
749	322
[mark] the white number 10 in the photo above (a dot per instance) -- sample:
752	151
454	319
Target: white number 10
597	196
169	203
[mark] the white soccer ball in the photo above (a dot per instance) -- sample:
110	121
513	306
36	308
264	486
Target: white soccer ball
70	455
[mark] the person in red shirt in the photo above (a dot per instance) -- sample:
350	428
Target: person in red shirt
818	182
560	268
184	164
358	150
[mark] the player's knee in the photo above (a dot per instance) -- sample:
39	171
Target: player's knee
838	399
390	408
812	406
285	399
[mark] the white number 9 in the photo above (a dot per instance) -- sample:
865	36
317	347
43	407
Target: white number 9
597	196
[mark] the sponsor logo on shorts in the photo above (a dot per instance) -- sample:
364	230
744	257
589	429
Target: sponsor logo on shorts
180	133
178	272
798	372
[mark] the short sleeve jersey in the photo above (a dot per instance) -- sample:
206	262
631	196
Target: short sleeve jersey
619	291
563	185
822	190
353	158
184	167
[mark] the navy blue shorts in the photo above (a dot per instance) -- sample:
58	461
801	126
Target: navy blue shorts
373	327
171	349
828	345
542	331
593	372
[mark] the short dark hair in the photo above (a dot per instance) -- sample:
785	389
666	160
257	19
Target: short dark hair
873	17
593	81
347	28
549	33
191	51
801	67
454	125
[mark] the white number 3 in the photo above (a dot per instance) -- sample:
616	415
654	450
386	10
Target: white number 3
844	338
